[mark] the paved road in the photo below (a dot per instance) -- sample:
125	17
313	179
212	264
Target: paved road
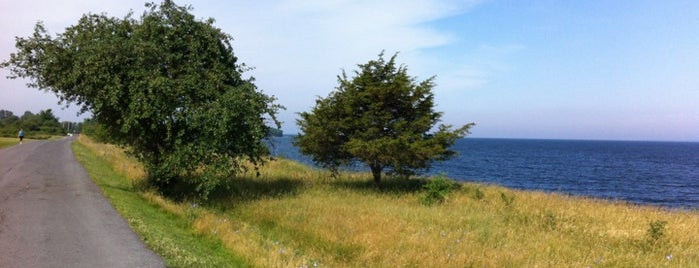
53	215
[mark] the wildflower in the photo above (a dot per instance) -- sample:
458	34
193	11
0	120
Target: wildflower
668	257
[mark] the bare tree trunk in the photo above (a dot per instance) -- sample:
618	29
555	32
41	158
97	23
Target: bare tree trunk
376	171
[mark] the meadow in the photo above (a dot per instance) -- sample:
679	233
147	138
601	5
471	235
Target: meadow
296	216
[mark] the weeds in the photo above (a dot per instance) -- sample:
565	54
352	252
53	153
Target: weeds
550	221
507	199
657	231
478	194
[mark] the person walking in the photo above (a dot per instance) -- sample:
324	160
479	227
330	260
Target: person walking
21	135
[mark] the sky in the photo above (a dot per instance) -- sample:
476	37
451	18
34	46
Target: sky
547	69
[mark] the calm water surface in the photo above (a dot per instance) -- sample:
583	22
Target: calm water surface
655	173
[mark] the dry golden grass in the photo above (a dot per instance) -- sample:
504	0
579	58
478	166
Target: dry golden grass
295	216
121	162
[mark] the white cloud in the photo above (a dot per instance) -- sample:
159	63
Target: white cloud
299	47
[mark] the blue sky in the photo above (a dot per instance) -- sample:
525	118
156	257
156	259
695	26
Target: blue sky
623	70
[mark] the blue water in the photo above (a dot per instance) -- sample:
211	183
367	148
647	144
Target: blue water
653	173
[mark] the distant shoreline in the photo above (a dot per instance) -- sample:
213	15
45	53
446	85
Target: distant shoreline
557	139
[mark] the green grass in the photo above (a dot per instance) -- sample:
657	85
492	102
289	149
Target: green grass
169	235
11	141
7	142
296	216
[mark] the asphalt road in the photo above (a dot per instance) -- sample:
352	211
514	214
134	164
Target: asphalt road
53	215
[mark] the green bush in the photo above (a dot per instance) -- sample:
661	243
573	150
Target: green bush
656	231
478	194
437	190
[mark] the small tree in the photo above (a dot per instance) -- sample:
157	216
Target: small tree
382	118
167	85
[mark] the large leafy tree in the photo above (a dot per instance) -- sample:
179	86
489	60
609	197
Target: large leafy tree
167	85
381	117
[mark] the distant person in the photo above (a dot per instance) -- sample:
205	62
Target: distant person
21	136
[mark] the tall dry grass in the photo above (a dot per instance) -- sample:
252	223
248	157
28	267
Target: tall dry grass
121	162
296	216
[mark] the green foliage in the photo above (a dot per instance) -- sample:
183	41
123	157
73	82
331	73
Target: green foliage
656	231
43	124
167	85
95	130
437	190
380	117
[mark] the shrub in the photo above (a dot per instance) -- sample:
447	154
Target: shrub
478	194
550	221
656	231
507	199
437	190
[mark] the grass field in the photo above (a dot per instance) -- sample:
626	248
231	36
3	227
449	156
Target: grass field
7	142
295	216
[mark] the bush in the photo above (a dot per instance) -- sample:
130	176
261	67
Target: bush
656	231
437	190
478	194
507	199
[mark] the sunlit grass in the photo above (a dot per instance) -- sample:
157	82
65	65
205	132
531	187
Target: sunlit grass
294	216
11	141
7	142
347	227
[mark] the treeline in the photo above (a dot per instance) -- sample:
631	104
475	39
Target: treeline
36	126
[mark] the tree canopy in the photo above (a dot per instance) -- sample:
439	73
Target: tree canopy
167	85
381	117
42	124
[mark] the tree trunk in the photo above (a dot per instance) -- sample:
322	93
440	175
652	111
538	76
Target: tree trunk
376	171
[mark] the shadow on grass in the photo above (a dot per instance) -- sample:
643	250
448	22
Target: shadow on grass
236	190
252	189
389	185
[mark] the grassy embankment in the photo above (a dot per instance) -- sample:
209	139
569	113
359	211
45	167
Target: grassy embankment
293	216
